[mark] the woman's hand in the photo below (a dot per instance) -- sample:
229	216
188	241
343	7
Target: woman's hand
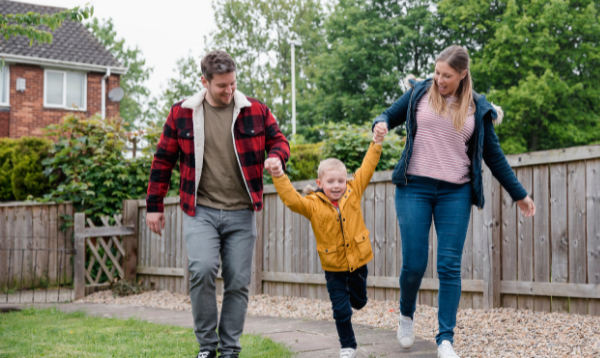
527	206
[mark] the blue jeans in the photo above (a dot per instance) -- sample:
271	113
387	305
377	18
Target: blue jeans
347	290
450	207
231	235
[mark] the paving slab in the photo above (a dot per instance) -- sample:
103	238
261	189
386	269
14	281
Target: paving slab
310	339
305	342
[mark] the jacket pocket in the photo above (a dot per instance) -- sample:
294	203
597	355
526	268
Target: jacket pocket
328	255
363	244
251	127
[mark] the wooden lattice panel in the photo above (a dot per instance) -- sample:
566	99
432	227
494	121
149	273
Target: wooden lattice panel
108	244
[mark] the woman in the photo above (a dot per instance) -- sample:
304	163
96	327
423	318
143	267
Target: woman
450	129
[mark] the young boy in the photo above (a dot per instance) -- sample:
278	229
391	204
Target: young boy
342	239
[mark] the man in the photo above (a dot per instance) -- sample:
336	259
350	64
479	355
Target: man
220	137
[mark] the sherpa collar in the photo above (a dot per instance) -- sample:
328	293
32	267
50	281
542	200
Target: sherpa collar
239	99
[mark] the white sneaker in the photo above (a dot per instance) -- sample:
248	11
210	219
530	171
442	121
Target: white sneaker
348	353
406	332
445	350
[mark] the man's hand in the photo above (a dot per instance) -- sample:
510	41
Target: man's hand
379	132
273	166
527	206
156	222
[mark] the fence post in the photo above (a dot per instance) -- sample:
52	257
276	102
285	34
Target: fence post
79	267
130	218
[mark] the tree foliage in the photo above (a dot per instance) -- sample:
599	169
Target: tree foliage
185	84
29	24
132	108
370	47
257	34
539	60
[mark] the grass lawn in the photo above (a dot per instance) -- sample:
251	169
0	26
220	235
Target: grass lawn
51	333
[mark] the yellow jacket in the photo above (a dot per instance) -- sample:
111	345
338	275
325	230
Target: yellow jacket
345	245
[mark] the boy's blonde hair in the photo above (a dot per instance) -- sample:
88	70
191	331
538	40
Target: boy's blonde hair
326	165
330	164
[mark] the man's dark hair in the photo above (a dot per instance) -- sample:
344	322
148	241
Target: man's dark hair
216	62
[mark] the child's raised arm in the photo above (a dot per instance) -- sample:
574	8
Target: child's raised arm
286	191
365	172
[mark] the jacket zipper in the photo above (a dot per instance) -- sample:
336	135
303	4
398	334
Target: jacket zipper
341	228
341	225
408	136
480	158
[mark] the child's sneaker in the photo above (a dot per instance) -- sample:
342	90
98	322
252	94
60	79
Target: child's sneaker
406	332
445	350
348	353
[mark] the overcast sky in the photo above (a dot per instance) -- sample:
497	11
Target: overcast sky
164	30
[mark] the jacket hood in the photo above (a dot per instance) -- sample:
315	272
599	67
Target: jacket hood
497	112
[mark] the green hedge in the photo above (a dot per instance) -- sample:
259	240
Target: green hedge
21	170
349	143
89	168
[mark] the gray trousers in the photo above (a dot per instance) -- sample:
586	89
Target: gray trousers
230	234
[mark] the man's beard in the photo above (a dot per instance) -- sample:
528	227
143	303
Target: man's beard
218	100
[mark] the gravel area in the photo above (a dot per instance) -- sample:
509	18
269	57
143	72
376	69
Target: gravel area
500	332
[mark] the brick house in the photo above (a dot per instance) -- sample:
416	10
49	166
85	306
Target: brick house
40	84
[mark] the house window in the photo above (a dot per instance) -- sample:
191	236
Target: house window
65	89
4	86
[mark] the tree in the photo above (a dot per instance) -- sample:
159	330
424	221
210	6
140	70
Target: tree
29	24
257	34
540	60
370	47
186	83
134	81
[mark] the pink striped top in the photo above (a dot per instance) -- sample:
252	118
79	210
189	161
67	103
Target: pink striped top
439	151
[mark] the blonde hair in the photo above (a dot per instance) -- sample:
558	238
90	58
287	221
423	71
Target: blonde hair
326	165
457	58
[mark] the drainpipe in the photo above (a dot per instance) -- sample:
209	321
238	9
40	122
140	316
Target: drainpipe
104	92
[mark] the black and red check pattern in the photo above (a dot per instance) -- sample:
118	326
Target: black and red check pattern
255	132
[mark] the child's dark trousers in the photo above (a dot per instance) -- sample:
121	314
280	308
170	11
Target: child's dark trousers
347	290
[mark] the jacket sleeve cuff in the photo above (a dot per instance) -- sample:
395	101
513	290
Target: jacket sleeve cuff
155	205
522	194
277	155
379	118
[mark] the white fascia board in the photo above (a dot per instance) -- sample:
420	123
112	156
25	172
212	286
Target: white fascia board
62	64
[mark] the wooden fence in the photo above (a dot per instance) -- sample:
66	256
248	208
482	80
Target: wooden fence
550	262
31	234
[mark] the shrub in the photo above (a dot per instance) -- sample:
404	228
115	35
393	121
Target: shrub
90	169
6	167
304	161
28	179
349	143
21	172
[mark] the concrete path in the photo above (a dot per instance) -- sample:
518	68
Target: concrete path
310	339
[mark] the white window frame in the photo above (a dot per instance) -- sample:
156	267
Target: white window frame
7	86
64	104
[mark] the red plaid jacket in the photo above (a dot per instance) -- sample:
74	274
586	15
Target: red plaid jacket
255	131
